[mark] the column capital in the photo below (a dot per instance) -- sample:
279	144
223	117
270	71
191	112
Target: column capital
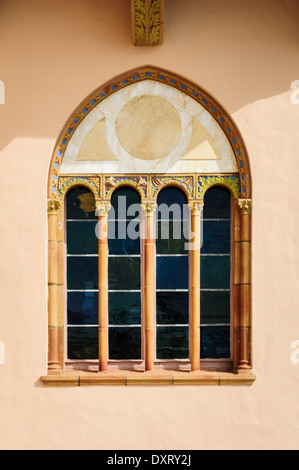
102	207
196	207
245	205
53	205
149	207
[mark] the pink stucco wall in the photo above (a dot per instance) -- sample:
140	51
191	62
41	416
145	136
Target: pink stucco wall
53	54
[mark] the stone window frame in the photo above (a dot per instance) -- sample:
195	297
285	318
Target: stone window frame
194	186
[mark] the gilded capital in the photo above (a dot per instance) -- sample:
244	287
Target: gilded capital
53	205
102	208
149	207
245	205
196	207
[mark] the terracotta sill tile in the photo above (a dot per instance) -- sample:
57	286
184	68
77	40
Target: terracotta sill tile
103	378
156	378
159	377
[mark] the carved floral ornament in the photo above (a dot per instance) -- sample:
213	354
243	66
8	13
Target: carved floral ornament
147	22
245	205
53	205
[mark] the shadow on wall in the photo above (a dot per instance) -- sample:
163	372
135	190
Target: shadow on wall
54	55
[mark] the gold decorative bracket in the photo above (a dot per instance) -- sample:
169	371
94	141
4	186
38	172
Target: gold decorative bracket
147	22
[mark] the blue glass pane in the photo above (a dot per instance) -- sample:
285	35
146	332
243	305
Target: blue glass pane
217	203
172	308
172	272
80	204
81	238
124	273
124	308
214	307
175	200
216	237
83	343
82	273
171	237
82	308
215	272
124	343
124	201
124	238
172	342
215	342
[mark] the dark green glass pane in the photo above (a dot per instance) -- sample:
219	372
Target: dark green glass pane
124	202
217	203
83	343
124	308
124	238
124	343
172	272
215	272
215	342
214	307
174	199
170	237
216	237
80	204
124	273
172	308
81	238
172	342
82	308
82	273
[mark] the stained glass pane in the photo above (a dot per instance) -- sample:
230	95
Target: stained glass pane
82	308
216	237
215	342
215	272
124	343
124	308
124	202
172	272
214	307
172	308
217	203
172	342
80	204
124	273
124	238
82	273
83	343
81	238
171	237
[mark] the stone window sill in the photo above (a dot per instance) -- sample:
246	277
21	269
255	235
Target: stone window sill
160	377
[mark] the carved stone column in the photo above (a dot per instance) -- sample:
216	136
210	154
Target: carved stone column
54	322
102	209
196	208
148	283
245	285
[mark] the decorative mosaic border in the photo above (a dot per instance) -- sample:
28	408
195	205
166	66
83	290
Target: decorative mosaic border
151	73
113	182
66	182
232	182
185	182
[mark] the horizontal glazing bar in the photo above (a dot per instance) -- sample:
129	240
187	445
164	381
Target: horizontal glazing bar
128	290
215	324
172	290
82	326
214	254
214	290
124	256
82	290
166	325
173	256
124	326
81	220
82	256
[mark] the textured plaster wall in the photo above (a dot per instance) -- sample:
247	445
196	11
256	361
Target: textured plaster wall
53	54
